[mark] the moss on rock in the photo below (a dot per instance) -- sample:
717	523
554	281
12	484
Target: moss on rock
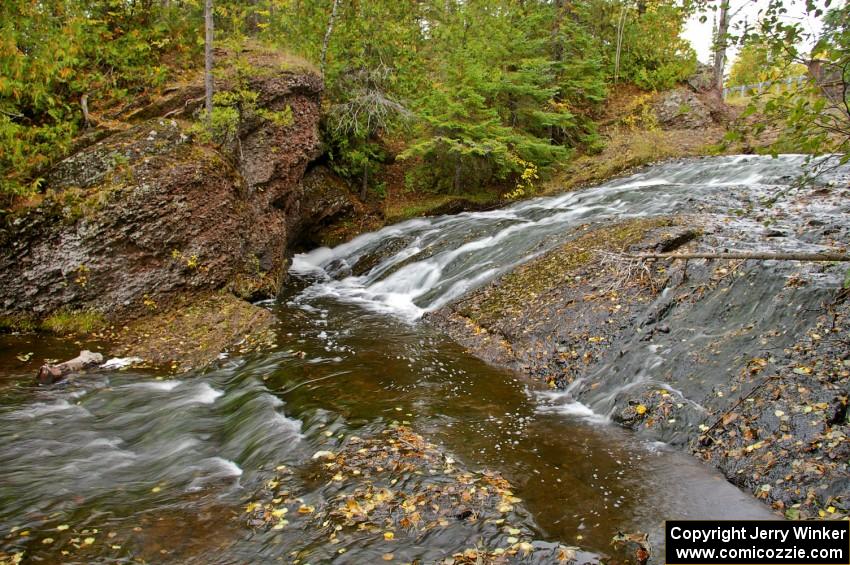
193	333
511	294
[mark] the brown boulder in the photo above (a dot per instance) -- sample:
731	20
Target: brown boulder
150	214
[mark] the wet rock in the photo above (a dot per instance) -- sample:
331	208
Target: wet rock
774	233
542	318
751	381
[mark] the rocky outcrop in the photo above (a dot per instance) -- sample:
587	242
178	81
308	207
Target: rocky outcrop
682	108
743	363
139	220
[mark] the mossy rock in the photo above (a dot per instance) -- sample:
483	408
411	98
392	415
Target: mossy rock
194	332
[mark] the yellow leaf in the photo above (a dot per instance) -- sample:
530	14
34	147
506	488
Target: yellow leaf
88	541
389	535
640	409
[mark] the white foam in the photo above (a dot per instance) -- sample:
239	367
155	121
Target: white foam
574	409
228	468
207	394
164	386
42	409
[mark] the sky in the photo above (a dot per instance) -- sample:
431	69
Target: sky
700	34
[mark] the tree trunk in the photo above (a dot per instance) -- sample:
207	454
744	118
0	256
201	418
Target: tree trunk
828	257
557	45
621	26
720	40
252	20
49	374
327	39
208	56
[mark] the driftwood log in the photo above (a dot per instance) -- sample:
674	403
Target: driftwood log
49	374
753	255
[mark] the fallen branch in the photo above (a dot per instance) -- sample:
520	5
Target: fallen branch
752	255
49	374
624	269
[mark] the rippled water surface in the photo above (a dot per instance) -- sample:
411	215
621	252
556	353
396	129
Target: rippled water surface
158	467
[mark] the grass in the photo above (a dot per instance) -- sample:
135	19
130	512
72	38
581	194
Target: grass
17	324
428	204
74	322
64	322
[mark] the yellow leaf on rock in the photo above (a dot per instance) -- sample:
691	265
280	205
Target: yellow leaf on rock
389	535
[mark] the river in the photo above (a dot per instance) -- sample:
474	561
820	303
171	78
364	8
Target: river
143	465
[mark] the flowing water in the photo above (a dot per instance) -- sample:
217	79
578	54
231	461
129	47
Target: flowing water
143	465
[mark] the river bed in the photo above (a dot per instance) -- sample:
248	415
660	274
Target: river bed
130	465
